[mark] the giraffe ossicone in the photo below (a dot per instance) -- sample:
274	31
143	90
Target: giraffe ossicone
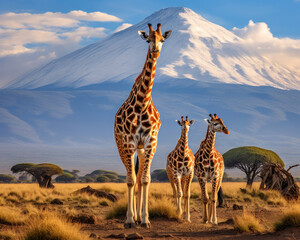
137	123
180	169
209	165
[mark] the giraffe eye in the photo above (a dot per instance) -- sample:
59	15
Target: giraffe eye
162	41
215	124
148	41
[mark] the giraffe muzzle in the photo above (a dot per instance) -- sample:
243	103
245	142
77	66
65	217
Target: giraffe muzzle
225	130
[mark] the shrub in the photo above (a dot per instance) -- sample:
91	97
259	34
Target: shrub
102	179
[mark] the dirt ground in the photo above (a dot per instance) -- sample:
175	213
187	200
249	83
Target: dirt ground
166	229
266	211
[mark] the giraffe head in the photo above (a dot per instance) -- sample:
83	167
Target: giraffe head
155	39
185	124
216	124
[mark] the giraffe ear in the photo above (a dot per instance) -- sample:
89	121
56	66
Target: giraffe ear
207	120
191	122
143	35
178	122
167	34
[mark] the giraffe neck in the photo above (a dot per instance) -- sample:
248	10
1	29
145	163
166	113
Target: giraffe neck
142	87
210	139
183	142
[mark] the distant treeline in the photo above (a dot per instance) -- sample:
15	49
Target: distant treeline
158	175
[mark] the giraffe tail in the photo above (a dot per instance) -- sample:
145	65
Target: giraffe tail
137	163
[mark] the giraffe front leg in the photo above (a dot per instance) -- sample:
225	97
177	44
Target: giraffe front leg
187	194
130	179
204	196
141	156
128	160
214	192
177	180
146	179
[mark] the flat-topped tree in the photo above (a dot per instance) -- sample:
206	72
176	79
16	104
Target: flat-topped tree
42	172
250	159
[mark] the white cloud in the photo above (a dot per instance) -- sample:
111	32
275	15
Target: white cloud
123	26
29	40
51	19
258	37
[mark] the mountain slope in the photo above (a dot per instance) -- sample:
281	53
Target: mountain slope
197	49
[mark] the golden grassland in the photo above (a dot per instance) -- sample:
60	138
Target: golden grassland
26	212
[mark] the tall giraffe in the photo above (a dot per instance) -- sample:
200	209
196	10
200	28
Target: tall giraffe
180	169
137	124
209	165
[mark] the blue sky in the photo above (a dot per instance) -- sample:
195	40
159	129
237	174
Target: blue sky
282	16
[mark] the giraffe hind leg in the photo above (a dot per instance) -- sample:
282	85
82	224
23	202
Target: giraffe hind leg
171	180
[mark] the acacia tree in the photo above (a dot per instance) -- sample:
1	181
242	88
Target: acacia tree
250	160
41	172
4	178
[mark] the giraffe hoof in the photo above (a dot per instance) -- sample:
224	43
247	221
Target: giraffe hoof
129	225
204	221
146	225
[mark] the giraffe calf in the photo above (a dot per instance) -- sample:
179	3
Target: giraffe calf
180	169
209	165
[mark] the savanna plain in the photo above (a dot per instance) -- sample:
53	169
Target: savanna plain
28	212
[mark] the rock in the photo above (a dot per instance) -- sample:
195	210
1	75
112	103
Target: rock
167	235
56	201
97	193
93	235
121	235
237	207
83	218
134	236
243	190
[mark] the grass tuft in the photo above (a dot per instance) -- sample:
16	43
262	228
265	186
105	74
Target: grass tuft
51	227
162	208
10	216
117	210
8	235
247	223
289	219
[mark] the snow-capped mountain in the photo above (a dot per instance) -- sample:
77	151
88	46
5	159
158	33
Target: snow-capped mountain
197	49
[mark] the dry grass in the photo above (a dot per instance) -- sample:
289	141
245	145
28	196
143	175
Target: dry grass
9	235
48	227
163	207
247	223
20	202
117	210
291	218
11	216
